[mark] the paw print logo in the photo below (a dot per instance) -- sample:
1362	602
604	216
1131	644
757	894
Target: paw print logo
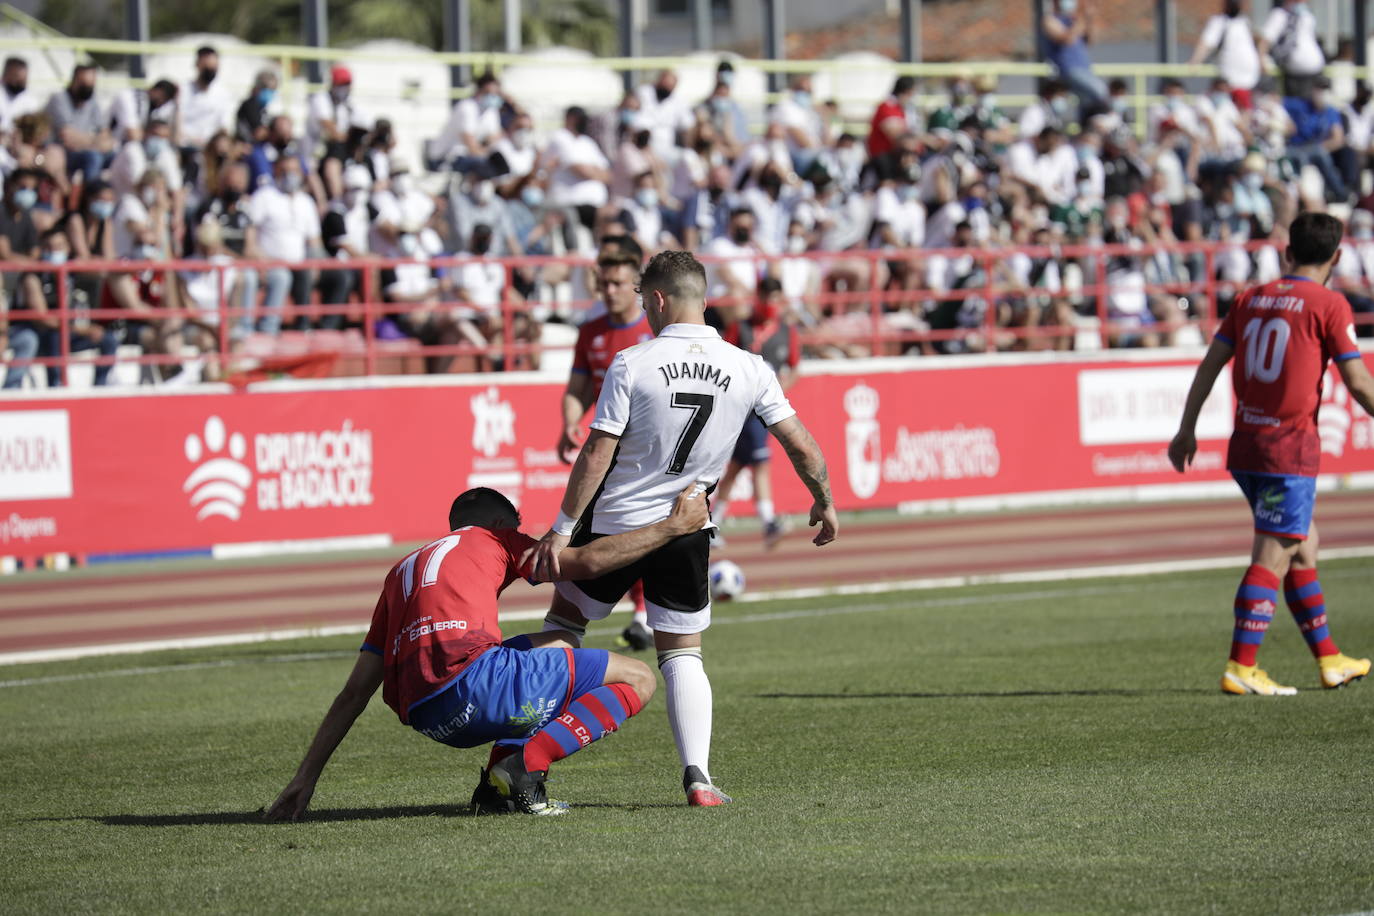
1333	420
218	484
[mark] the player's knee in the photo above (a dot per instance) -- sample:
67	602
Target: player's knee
639	677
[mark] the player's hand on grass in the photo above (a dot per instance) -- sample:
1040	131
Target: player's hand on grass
690	512
292	801
830	523
569	443
542	560
1182	449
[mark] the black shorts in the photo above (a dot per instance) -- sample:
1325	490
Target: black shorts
752	445
677	594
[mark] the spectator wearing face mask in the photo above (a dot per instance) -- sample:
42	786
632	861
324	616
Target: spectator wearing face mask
279	142
663	112
332	117
1229	37
142	220
634	155
1319	134
204	292
479	282
1289	36
773	202
1225	134
16	99
1050	109
480	205
803	129
734	277
517	149
90	228
345	230
1359	136
473	128
204	106
35	329
893	117
707	213
152	150
642	214
285	227
579	172
724	113
255	112
132	109
79	125
1065	33
1354	273
18	235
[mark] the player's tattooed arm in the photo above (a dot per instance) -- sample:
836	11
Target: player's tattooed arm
809	463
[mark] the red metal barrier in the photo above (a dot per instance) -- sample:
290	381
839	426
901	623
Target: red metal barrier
878	335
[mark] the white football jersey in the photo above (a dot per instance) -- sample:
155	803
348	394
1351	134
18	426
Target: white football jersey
678	403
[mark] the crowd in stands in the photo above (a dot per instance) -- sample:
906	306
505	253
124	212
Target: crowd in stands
944	196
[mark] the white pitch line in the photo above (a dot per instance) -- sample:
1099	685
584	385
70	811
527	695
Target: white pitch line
834	611
832	591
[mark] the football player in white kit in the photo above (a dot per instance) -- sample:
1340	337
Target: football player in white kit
670	411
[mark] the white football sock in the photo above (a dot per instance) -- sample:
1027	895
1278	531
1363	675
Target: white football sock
641	617
764	507
689	706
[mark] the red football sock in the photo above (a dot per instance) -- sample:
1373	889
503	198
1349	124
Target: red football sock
595	714
1256	600
1305	600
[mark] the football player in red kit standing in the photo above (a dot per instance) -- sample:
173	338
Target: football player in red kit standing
620	324
1282	334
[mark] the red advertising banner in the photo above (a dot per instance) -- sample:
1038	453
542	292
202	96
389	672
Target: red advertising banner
148	473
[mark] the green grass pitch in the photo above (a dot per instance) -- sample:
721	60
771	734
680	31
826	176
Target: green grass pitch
1056	747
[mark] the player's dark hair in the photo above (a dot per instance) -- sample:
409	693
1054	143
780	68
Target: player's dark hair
768	286
1313	238
620	251
482	506
904	84
676	274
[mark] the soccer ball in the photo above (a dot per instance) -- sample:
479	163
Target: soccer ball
727	580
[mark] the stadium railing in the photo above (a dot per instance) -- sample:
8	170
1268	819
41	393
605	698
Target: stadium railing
289	57
869	321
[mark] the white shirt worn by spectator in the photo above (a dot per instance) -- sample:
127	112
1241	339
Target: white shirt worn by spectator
648	223
637	403
663	119
741	262
346	115
357	223
414	279
1233	43
770	217
204	287
129	164
566	189
795	116
14	107
1223	138
944	272
481	282
799	277
408	212
1021	264
1292	38
467	118
1356	266
520	160
285	223
1052	174
1179	111
204	112
905	218
1359	127
129	215
758	154
131	108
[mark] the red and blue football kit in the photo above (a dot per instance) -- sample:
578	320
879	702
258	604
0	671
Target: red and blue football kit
1284	333
600	340
447	674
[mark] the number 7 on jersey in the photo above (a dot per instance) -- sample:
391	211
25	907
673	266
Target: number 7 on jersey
701	406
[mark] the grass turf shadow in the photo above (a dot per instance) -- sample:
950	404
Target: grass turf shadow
322	815
995	695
